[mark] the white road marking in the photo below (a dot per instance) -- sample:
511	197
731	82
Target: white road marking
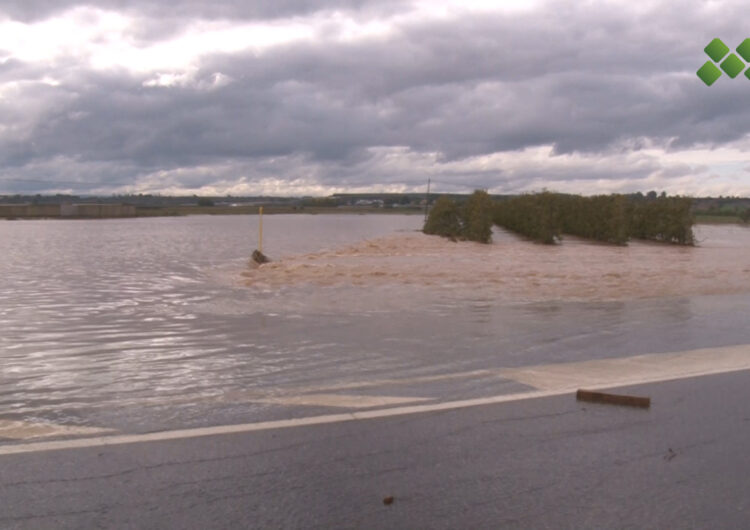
22	430
560	379
340	400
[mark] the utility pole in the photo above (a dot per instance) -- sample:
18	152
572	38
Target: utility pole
427	200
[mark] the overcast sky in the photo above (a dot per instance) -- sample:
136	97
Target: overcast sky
306	97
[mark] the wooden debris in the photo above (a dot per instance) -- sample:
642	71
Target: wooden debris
388	500
613	399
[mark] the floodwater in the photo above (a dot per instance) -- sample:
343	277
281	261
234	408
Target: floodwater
152	324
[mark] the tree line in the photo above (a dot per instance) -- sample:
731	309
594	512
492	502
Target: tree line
616	219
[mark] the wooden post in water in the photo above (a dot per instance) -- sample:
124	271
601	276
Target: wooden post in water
258	257
260	229
427	200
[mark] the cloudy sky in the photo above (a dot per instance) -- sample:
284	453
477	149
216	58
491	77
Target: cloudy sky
311	97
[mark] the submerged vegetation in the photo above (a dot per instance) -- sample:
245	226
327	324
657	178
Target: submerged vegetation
534	216
544	217
471	221
668	219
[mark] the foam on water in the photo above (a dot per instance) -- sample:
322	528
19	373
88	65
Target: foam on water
517	270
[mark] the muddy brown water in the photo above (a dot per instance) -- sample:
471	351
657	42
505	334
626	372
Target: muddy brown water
146	324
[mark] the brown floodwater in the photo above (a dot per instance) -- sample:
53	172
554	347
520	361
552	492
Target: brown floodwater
514	269
151	324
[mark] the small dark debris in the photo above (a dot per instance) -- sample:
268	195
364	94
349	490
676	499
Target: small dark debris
670	455
259	257
613	399
388	500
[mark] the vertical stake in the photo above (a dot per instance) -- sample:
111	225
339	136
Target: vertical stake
260	229
427	200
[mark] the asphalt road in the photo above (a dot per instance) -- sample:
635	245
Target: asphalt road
539	463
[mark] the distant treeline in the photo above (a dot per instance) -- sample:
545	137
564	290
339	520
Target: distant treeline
729	207
142	200
544	217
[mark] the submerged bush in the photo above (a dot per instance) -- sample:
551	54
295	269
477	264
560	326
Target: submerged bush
476	217
443	219
668	219
534	216
470	221
608	218
601	217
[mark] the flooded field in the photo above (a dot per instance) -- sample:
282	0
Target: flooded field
149	324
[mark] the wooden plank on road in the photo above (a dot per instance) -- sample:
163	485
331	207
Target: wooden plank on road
613	399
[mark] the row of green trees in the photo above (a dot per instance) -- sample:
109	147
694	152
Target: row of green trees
602	217
471	220
668	219
544	217
534	216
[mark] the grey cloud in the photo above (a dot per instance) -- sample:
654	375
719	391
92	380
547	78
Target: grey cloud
584	79
32	10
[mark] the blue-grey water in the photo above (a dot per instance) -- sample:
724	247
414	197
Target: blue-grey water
145	324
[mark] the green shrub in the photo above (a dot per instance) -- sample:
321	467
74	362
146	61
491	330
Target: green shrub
601	217
667	219
608	218
443	219
534	216
476	217
471	221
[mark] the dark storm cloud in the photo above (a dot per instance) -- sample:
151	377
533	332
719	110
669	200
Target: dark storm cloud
31	10
495	83
591	79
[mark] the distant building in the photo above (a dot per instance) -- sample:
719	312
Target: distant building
377	203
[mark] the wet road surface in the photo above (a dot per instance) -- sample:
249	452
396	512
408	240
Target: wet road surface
142	389
548	462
